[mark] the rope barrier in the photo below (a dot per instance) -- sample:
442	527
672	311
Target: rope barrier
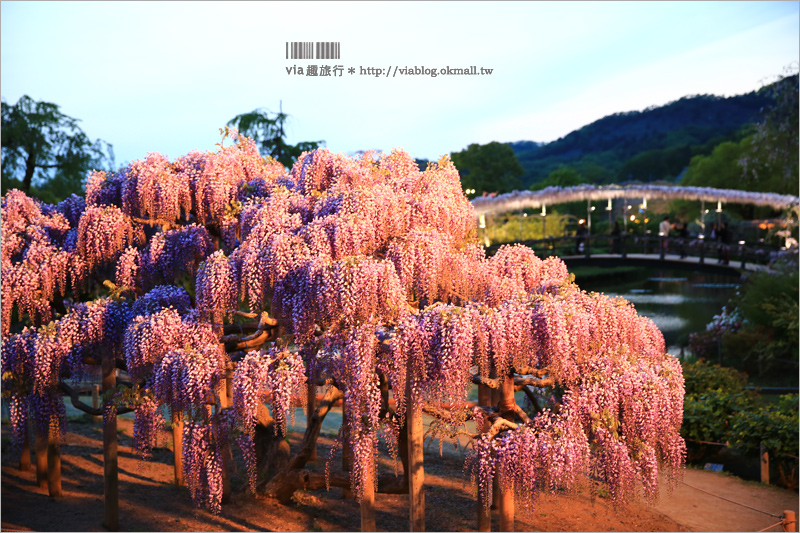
770	527
731	501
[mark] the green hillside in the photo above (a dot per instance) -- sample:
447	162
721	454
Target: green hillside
655	144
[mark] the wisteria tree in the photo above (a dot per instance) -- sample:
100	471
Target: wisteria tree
222	285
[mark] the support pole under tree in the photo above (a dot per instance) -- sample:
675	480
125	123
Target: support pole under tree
506	503
53	465
110	461
177	446
368	500
495	400
416	468
41	458
764	464
484	513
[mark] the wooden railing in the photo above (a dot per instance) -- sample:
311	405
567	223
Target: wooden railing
736	254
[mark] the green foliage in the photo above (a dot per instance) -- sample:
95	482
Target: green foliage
659	164
707	415
489	167
701	376
619	144
776	425
768	340
44	151
268	132
512	227
771	157
719	169
562	177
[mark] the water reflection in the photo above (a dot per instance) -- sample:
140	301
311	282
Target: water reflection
678	302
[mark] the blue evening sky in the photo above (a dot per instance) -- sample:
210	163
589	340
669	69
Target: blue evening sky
165	76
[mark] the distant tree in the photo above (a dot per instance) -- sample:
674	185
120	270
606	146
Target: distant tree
43	147
489	167
563	177
771	159
267	129
720	169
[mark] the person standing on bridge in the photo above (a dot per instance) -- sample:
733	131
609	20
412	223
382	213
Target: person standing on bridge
581	234
683	234
616	241
663	232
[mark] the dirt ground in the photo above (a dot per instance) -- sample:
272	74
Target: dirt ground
149	501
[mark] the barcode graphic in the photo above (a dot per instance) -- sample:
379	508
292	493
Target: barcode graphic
312	50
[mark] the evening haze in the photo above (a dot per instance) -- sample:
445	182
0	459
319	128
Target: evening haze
164	77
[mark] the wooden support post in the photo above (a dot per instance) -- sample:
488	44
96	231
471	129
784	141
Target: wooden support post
789	521
347	454
484	513
177	446
54	465
764	464
368	500
25	456
41	459
110	460
506	506
95	396
495	484
416	468
506	503
311	406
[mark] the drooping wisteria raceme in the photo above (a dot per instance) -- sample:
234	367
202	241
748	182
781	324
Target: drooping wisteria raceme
358	272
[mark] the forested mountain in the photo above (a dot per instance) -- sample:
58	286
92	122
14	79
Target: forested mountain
657	143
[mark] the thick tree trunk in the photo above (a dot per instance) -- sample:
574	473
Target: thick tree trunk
280	485
272	450
110	464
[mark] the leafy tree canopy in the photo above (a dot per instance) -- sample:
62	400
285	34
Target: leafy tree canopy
770	160
720	169
267	129
45	149
489	167
563	177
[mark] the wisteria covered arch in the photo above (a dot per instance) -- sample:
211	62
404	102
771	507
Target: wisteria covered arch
517	200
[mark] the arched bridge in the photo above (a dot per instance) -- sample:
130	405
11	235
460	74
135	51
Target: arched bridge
517	200
694	254
697	253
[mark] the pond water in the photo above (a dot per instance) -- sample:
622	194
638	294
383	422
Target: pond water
678	301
